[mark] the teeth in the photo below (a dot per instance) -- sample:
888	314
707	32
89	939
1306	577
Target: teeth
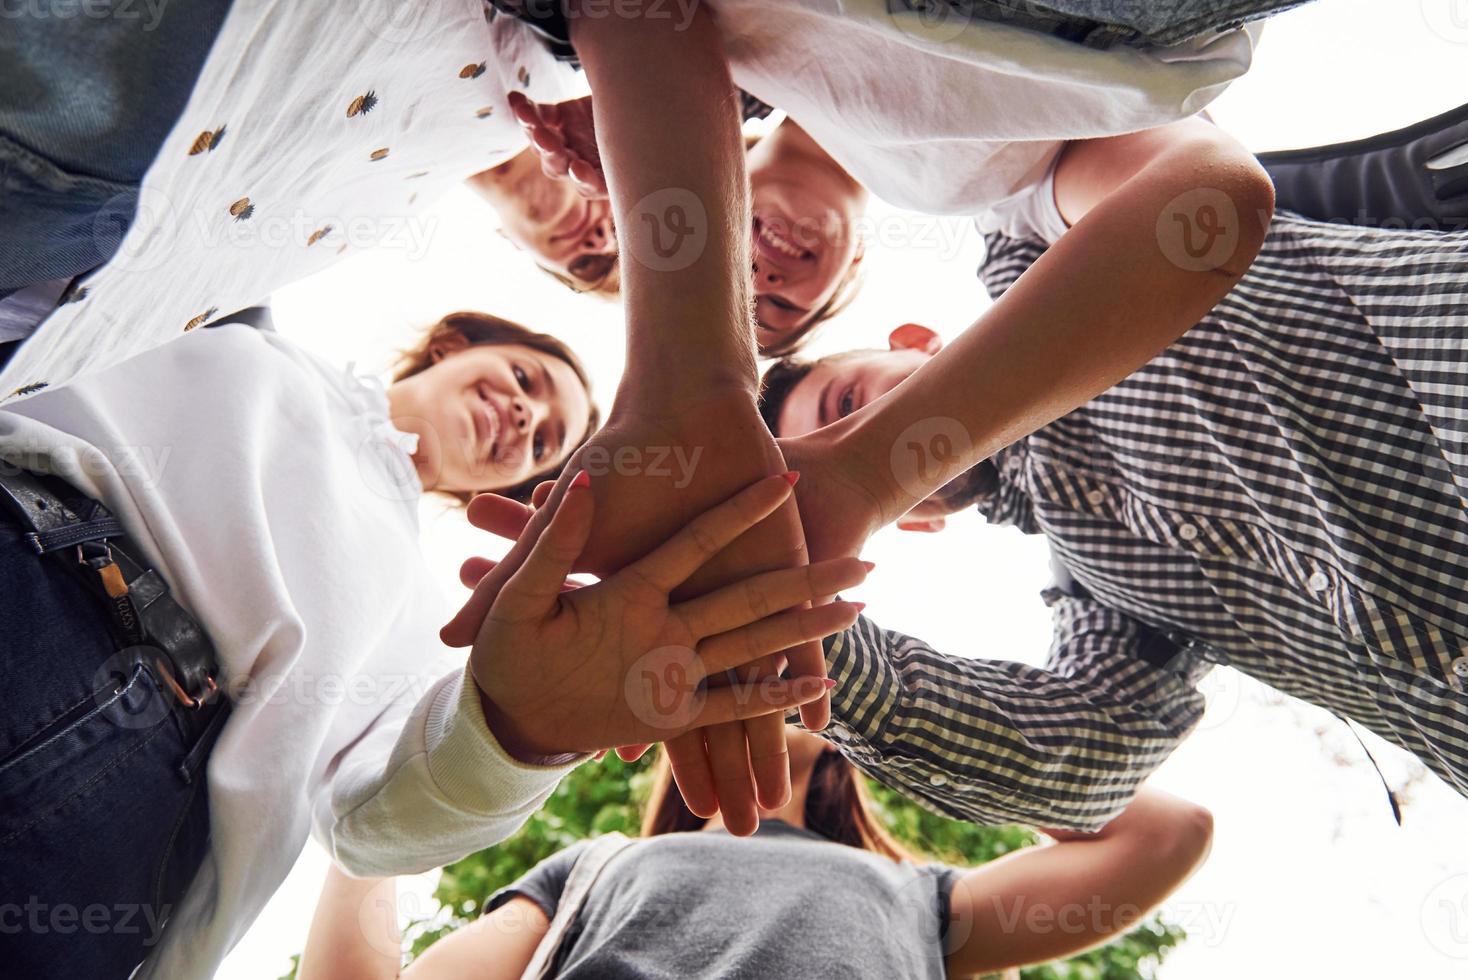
780	243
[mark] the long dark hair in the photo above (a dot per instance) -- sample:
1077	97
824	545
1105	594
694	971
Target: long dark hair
476	329
837	806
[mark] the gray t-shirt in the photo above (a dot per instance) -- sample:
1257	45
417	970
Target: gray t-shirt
783	903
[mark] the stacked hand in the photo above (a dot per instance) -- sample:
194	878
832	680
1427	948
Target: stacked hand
563	136
569	670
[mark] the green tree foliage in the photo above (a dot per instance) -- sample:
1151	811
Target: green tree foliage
605	797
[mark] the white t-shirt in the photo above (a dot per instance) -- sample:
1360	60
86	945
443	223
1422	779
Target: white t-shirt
273	494
314	131
1030	212
947	116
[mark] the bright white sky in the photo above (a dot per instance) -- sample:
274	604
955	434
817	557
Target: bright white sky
1309	875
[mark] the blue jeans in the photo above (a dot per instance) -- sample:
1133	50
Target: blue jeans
104	813
1106	23
88	93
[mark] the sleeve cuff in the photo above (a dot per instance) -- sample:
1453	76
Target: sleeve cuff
467	762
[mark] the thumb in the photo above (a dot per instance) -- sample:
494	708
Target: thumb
533	589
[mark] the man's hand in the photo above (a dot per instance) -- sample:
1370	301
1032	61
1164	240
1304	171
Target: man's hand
583	669
564	137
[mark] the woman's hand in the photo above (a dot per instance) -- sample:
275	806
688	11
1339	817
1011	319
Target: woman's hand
564	137
620	662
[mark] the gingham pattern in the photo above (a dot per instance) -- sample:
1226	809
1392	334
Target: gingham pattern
1286	484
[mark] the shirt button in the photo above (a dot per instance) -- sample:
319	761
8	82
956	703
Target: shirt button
1187	532
938	779
1318	582
1095	497
1460	666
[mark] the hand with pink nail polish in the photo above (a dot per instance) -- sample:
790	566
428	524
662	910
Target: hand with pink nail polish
582	669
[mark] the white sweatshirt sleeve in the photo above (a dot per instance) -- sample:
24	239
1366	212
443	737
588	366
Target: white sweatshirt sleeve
444	789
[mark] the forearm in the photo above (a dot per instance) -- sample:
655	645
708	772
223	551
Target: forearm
354	933
1000	742
1047	902
408	798
1111	294
667	118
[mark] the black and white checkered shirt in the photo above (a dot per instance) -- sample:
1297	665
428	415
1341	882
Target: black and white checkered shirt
1286	485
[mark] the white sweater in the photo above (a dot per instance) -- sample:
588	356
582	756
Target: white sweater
273	493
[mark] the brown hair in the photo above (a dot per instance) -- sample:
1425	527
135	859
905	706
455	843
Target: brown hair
837	806
477	329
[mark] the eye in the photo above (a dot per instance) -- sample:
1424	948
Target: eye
521	377
591	267
846	404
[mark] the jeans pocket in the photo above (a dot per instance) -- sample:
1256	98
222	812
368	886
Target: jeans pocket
80	746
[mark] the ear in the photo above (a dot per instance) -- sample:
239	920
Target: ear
915	336
446	343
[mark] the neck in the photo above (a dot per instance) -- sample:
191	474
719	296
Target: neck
792	812
404	421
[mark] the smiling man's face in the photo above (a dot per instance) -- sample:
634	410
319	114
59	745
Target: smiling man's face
842	384
566	233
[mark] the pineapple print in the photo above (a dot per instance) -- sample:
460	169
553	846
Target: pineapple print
484	113
318	234
421	173
201	319
242	209
29	389
472	71
523	76
74	294
362	104
207	142
379	154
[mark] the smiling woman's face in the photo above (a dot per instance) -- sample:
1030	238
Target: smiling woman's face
490	416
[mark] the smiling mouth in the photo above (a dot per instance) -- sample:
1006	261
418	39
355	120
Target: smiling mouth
487	424
778	246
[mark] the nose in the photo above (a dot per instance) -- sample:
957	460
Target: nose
767	277
599	237
526	413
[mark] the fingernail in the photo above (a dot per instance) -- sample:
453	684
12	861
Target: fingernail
859	606
829	682
870	566
582	480
791	477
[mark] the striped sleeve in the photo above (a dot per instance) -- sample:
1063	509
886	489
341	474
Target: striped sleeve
994	741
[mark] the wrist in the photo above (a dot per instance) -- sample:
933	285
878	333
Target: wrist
512	736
